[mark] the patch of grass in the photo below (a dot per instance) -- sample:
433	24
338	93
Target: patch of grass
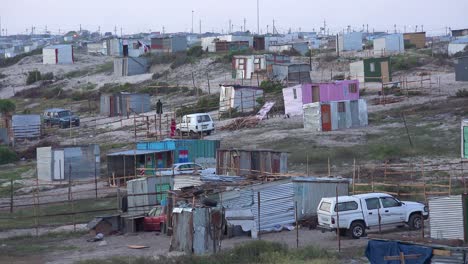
462	93
2	76
405	62
7	155
270	86
12	61
25	217
107	67
261	252
30	245
76	74
204	104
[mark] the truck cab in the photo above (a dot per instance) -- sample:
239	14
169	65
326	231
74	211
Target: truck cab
354	214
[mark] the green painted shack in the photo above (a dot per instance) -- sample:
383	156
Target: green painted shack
371	70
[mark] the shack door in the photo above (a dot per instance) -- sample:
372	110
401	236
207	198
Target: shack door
315	94
326	117
384	71
355	113
341	115
59	170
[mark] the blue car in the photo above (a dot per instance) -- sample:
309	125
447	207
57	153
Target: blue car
61	117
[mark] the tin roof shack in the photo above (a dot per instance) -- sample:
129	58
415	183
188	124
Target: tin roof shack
291	72
145	193
464	139
417	39
242	162
113	47
457	45
129	66
196	231
449	217
335	115
169	44
460	32
389	44
123	104
239	98
308	191
210	43
371	70
259	43
245	66
302	47
272	59
199	151
276	207
296	96
68	162
351	41
147	162
461	69
26	127
58	54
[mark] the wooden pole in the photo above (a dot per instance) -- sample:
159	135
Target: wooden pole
329	171
208	79
258	216
11	195
354	176
308	164
338	220
297	224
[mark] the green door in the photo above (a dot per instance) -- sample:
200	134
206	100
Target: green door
162	189
465	142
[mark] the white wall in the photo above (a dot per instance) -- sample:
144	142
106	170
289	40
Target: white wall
456	47
356	71
48	56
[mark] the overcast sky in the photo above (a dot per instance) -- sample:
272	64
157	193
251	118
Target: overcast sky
176	15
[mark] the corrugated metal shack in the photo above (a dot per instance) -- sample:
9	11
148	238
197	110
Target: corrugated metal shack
308	191
129	66
239	98
242	162
461	69
449	218
231	46
58	54
169	44
145	193
122	164
335	115
295	97
26	127
272	59
68	162
389	44
418	39
196	231
199	151
292	73
244	66
371	70
464	139
123	104
351	41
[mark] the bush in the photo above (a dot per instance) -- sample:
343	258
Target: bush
196	51
7	106
33	76
462	93
404	63
338	77
7	155
47	76
11	61
291	52
2	76
270	86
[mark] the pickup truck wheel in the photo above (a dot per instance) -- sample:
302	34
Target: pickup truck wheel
415	221
357	230
208	133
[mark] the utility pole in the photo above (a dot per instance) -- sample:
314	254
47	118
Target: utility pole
200	27
258	17
394	27
274	27
0	26
115	31
121	32
80	28
367	25
230	26
164	30
245	22
192	21
422	28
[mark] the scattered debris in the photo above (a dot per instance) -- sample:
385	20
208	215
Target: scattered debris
98	237
137	247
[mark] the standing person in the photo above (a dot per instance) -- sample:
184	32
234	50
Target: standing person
159	109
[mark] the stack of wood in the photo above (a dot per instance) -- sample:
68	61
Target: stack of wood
241	122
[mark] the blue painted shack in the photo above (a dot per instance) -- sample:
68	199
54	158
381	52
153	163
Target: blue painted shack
192	150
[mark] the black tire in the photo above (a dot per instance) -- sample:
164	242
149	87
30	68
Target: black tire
63	125
357	230
415	221
343	232
208	133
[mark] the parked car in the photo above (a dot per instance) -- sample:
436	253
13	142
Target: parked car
61	117
196	124
360	212
189	168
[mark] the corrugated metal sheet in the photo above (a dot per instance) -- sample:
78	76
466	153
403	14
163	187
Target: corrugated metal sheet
241	162
351	41
457	257
44	163
195	149
130	66
464	139
312	117
4	137
186	181
308	191
182	236
202	242
146	189
461	69
446	217
26	126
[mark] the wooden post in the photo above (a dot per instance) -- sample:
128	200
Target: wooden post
329	171
297	224
36	206
208	79
354	176
450	184
11	195
258	216
338	220
73	212
385	171
308	164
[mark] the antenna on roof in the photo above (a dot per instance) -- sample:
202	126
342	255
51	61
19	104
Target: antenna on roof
258	17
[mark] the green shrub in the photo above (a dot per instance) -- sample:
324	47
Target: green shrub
7	106
462	93
33	76
270	86
404	63
47	76
7	155
196	51
2	76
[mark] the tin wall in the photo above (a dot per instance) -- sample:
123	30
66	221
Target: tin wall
83	160
185	150
312	117
26	126
293	100
447	219
250	162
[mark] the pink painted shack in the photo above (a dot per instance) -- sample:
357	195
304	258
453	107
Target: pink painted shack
297	96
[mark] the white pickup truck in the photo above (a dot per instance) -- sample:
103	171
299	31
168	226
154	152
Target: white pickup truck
360	212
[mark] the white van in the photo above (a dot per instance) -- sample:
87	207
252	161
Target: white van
196	124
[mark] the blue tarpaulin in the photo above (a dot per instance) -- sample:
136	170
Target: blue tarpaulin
377	251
